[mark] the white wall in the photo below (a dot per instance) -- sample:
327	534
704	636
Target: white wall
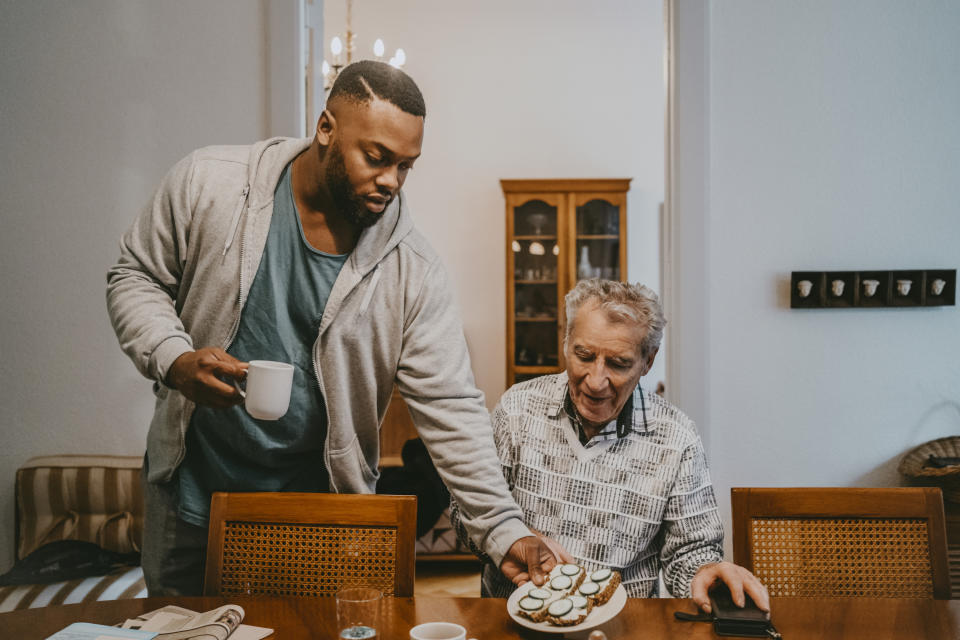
97	100
533	89
831	143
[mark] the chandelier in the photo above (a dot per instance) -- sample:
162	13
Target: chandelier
342	52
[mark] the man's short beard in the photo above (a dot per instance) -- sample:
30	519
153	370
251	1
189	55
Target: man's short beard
349	204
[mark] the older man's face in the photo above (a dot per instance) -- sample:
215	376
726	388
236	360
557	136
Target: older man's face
604	364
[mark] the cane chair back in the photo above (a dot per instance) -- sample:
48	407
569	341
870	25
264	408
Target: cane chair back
310	544
843	542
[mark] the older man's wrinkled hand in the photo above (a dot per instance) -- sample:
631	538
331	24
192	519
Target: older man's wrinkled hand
737	579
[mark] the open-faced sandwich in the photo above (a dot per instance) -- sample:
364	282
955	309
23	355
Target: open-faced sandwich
599	586
568	595
565	578
568	611
533	606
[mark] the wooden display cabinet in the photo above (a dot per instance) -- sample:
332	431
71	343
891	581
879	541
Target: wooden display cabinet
558	232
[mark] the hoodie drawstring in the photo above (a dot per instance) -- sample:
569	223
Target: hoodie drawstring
368	294
235	223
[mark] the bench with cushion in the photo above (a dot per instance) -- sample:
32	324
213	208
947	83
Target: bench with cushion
91	498
98	499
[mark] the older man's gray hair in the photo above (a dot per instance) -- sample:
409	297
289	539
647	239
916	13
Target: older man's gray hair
622	302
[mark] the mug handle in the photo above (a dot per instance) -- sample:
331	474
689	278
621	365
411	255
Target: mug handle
236	385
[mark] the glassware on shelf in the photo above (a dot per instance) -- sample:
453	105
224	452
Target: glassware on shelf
537	220
598	217
613	223
584	269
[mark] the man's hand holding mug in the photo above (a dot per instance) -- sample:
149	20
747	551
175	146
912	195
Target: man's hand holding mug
199	375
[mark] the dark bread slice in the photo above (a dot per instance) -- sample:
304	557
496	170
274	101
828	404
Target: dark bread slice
559	621
606	590
538	615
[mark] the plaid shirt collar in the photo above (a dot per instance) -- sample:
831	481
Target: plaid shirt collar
615	429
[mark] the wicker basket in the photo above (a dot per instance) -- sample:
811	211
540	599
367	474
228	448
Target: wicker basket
914	465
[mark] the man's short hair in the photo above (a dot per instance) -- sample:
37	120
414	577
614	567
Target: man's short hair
622	302
363	81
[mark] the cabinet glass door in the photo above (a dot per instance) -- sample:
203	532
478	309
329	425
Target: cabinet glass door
536	252
597	247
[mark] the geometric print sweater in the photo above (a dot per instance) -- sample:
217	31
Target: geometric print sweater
638	504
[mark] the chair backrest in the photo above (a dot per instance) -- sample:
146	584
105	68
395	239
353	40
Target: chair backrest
837	542
309	544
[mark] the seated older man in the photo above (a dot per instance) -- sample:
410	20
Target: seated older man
614	474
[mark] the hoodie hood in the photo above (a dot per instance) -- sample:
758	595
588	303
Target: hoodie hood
377	240
267	161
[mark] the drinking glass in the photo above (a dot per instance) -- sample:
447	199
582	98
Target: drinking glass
358	612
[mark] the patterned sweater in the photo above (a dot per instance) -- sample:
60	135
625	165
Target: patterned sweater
635	504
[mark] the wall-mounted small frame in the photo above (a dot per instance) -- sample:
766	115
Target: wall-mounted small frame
846	289
841	288
806	289
940	287
873	288
906	288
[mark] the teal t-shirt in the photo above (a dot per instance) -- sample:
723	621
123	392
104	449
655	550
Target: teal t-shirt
227	449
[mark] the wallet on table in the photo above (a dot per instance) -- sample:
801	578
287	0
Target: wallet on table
748	621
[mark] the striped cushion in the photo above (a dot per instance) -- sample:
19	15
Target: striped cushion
121	584
93	498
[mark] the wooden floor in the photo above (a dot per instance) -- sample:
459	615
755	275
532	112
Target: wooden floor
449	579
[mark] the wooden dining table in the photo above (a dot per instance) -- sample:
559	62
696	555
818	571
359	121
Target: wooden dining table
487	618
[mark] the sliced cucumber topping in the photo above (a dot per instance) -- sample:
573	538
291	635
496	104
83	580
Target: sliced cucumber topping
530	604
560	583
589	588
542	594
600	575
569	569
561	607
579	602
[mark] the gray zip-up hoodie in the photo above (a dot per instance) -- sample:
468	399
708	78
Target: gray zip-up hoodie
184	272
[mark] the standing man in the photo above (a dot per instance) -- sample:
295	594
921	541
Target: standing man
302	251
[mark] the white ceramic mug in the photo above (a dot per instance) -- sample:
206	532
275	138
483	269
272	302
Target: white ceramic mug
837	287
903	287
267	396
870	287
438	631
804	287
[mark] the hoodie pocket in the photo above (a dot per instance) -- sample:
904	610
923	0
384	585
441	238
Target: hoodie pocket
350	471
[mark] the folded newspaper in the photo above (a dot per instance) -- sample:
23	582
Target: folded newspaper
172	623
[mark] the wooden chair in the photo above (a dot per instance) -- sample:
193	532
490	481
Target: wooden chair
310	544
836	542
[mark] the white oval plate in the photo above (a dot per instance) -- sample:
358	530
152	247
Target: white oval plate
598	615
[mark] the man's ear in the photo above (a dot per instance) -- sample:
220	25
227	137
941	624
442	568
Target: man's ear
649	360
325	127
